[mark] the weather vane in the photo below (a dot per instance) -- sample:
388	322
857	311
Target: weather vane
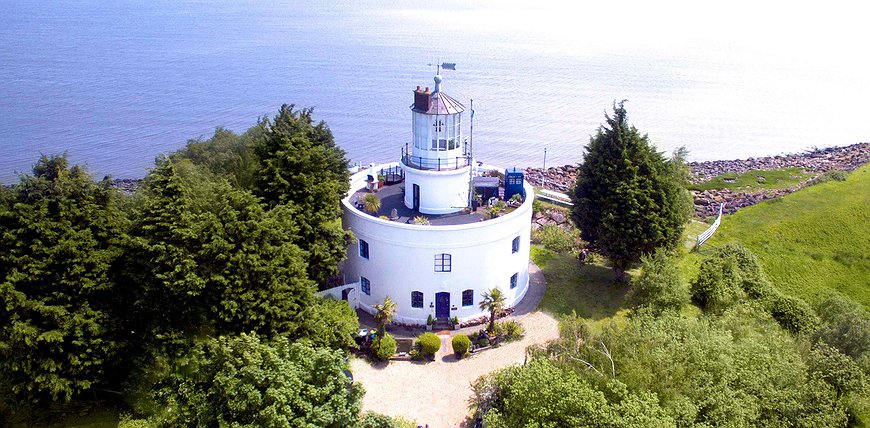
444	65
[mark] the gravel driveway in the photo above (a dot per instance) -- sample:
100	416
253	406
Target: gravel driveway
437	393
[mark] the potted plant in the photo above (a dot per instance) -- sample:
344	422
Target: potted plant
454	322
430	322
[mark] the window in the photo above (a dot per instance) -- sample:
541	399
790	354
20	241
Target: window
515	246
364	249
365	285
442	263
514	280
468	298
416	299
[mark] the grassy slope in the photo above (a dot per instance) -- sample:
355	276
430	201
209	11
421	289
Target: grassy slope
749	181
811	241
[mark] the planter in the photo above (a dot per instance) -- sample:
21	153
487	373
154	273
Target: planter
428	327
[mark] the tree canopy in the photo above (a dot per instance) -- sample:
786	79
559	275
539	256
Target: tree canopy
628	199
60	236
246	381
207	255
301	167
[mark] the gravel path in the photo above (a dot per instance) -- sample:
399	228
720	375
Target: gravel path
437	393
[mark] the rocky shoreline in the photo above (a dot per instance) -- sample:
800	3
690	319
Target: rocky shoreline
816	162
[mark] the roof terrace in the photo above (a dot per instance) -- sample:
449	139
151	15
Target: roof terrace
393	198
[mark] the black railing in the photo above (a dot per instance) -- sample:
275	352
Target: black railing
439	164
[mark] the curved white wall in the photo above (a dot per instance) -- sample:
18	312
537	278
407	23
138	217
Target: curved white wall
402	259
441	192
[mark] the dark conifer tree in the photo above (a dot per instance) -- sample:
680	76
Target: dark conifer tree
628	199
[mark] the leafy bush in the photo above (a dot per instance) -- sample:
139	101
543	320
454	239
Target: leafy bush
383	347
377	420
793	314
556	238
461	345
836	368
717	285
659	287
482	341
509	330
846	326
429	344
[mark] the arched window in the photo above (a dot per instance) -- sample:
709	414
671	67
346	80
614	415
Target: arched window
416	299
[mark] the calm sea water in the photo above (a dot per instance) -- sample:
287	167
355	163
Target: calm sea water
115	83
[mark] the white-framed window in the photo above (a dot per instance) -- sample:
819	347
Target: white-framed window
468	298
514	278
416	299
365	285
363	249
443	262
515	245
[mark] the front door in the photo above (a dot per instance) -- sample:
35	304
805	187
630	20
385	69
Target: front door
417	199
442	305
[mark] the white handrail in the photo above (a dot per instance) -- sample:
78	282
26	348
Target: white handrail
702	238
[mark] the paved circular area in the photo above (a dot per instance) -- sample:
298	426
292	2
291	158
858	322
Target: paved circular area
437	393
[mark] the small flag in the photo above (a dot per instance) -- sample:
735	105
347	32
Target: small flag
448	65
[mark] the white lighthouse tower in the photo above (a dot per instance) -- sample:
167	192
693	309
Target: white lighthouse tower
437	162
439	268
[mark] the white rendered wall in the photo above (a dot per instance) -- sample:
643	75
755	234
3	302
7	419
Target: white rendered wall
402	259
441	192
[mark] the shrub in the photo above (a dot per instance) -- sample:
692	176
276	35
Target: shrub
509	330
659	287
556	238
429	344
461	345
717	285
482	342
793	314
421	220
383	347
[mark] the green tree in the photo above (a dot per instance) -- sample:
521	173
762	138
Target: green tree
384	313
59	239
550	396
733	369
846	326
659	287
628	199
330	323
207	257
226	155
494	302
245	381
302	168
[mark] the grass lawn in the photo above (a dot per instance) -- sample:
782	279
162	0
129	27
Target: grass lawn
588	289
809	242
753	180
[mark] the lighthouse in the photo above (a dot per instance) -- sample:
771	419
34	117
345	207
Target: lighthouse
437	163
424	247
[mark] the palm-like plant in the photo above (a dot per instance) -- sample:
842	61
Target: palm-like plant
371	203
494	302
384	314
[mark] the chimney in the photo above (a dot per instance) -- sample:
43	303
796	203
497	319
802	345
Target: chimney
421	100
